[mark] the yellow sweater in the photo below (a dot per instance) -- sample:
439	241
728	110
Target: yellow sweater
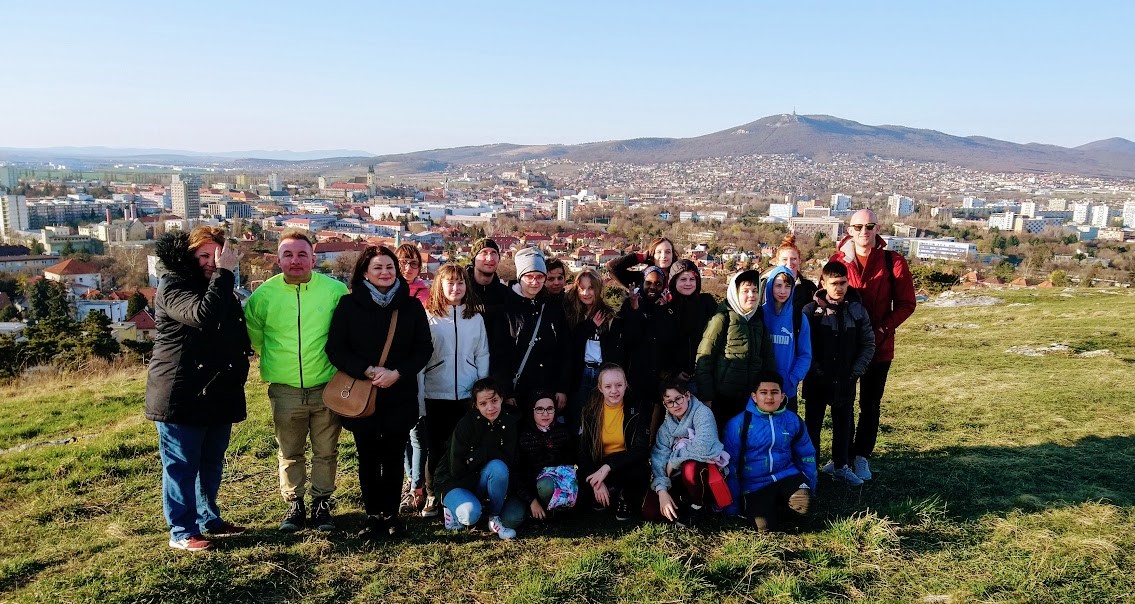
613	438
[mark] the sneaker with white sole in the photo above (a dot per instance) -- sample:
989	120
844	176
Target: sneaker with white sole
498	527
429	510
451	521
862	467
829	468
196	543
846	474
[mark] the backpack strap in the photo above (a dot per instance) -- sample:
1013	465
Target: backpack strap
745	423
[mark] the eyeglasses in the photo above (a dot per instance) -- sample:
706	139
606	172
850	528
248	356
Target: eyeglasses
544	410
410	263
673	402
870	226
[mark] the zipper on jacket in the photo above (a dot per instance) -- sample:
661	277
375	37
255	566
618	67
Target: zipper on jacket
771	444
299	332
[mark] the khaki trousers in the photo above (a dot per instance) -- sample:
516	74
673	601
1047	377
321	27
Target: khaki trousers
298	413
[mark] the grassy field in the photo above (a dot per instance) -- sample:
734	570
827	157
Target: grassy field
999	478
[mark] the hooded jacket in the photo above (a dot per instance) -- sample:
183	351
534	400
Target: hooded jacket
651	334
887	291
288	327
355	340
492	297
460	354
475	442
803	293
698	430
776	447
201	349
691	315
733	350
793	351
548	365
843	344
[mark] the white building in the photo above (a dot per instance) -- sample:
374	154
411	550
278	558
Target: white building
115	310
274	182
185	193
1028	209
1002	220
1081	212
1129	215
784	211
564	207
841	203
1100	216
942	249
971	203
900	206
13	214
9	178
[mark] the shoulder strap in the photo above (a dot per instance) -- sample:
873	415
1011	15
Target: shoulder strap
531	343
389	338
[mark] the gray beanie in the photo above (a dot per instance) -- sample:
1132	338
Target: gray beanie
529	260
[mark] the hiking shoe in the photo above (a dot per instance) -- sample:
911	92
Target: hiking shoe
226	529
429	510
451	521
801	500
374	529
195	543
846	474
862	467
406	505
622	510
498	527
293	520
829	468
321	514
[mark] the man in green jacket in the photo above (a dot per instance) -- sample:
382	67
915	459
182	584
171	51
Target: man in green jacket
288	318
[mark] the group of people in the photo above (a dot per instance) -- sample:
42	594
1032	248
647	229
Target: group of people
502	402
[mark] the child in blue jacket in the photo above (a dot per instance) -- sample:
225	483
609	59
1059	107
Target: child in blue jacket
791	339
772	464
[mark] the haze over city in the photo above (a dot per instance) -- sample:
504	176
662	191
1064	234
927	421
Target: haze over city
405	77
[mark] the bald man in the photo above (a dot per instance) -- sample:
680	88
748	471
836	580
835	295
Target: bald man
884	283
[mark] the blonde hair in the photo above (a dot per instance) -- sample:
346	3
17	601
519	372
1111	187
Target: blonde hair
438	304
576	310
592	416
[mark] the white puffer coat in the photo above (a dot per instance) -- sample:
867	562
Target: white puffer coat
460	357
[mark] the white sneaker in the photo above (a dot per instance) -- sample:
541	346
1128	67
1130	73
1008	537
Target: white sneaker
847	475
828	468
498	527
451	521
862	467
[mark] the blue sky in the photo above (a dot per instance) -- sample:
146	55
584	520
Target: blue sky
391	77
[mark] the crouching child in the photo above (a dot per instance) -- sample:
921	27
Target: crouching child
772	464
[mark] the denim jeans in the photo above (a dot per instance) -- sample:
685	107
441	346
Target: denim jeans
192	462
417	451
493	485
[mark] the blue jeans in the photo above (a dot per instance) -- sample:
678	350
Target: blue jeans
192	461
414	462
493	485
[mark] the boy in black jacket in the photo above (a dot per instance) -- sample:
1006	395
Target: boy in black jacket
842	346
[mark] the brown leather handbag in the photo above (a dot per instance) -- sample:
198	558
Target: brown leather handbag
349	397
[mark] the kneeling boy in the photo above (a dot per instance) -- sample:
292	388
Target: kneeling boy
772	464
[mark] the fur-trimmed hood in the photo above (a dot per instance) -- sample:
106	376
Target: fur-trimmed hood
173	252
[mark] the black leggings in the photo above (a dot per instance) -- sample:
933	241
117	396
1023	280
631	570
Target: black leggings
441	418
380	469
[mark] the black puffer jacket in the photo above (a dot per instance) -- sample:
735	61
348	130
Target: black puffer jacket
355	340
201	348
548	365
538	450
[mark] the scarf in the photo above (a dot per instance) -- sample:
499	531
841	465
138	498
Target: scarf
381	299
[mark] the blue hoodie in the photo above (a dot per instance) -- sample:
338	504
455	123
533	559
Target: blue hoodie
793	353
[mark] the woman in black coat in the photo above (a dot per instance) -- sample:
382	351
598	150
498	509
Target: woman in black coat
355	340
195	383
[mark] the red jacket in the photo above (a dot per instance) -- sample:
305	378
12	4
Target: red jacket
887	307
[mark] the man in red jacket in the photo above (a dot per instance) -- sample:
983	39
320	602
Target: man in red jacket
884	282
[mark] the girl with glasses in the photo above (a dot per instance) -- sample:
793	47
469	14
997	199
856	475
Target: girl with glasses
546	477
684	448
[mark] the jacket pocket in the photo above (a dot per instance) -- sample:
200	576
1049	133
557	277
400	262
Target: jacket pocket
434	366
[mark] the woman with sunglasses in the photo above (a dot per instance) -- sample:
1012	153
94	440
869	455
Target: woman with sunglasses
546	477
685	447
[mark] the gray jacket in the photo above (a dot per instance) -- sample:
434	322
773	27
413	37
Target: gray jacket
704	446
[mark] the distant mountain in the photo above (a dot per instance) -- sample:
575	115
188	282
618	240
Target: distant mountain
820	136
1110	145
814	136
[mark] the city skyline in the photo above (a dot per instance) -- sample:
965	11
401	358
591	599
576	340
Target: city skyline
440	75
